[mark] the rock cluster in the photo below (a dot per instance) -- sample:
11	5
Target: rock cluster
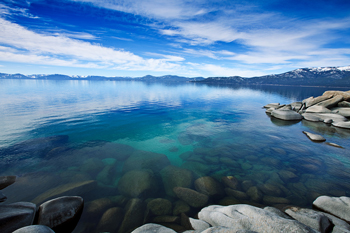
57	215
332	108
246	218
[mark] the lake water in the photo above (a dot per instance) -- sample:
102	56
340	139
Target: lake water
123	140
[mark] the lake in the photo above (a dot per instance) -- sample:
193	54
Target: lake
120	143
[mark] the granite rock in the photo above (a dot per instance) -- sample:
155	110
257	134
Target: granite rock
337	206
191	197
16	215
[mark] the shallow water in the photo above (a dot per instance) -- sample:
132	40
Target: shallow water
113	129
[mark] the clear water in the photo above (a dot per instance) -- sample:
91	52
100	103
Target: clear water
224	127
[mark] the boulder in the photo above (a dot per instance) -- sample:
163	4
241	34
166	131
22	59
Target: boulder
160	206
134	215
339	225
98	206
296	106
225	230
345	125
288	176
191	197
35	229
270	189
16	215
277	212
237	194
70	189
345	112
288	115
6	181
151	227
344	94
255	194
332	102
209	186
311	218
92	166
198	168
269	110
314	117
317	109
333	144
317	100
181	207
345	104
314	137
246	217
199	225
61	214
231	182
337	206
146	160
334	117
273	105
106	176
111	220
173	176
137	183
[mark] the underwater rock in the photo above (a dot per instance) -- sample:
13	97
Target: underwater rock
186	155
174	149
138	183
246	217
92	166
16	215
271	200
226	201
146	160
199	169
246	184
288	176
173	176
237	194
116	150
134	215
230	182
209	186
70	189
287	115
333	144
111	220
271	161
7	181
255	194
106	176
181	207
270	189
61	214
2	197
337	206
160	206
98	206
34	229
314	137
191	197
151	227
311	218
229	162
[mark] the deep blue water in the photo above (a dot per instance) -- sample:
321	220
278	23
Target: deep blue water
214	131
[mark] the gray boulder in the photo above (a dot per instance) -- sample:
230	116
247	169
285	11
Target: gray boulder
311	218
342	111
151	227
269	110
6	181
34	229
337	206
173	176
318	109
339	225
314	137
345	125
191	197
16	215
296	106
199	225
61	214
246	217
317	100
312	117
331	102
288	115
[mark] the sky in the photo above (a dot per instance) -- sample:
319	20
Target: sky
178	37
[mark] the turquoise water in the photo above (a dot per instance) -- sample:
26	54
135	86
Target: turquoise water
112	128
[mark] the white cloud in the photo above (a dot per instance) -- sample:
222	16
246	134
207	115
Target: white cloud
23	45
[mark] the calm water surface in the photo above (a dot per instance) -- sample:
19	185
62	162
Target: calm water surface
115	135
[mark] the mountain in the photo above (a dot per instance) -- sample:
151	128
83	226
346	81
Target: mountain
325	76
147	78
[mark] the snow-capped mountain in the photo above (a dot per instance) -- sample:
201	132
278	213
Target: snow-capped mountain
322	76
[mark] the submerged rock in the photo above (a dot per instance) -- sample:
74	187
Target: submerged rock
146	160
111	220
134	215
231	182
7	181
16	215
173	176
137	183
314	137
191	197
209	186
160	206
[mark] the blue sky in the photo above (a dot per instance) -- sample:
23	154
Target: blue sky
180	37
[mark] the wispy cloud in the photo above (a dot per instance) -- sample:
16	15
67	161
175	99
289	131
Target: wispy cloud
23	45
